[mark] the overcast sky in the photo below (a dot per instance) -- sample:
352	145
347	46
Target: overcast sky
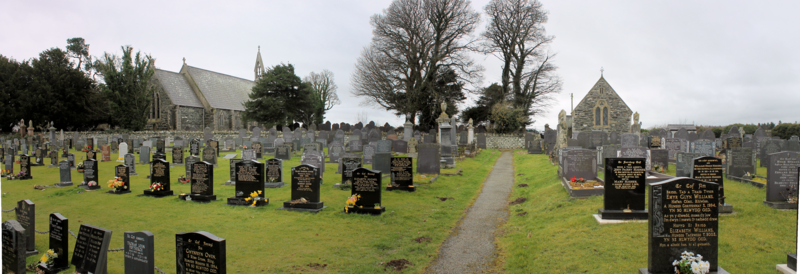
702	62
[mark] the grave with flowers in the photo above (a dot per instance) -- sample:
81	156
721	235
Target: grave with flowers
579	170
249	184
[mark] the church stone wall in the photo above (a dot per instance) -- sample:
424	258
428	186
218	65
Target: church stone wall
619	114
166	117
191	118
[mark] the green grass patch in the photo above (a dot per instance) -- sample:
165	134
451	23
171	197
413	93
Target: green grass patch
263	239
559	234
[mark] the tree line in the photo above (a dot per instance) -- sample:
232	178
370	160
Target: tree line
419	58
75	92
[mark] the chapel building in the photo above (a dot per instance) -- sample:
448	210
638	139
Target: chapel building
602	110
194	98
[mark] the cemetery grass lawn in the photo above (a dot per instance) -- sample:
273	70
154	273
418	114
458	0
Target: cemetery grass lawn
262	239
559	234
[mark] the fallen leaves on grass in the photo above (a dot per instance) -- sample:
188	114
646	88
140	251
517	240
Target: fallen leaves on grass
422	239
317	266
518	201
444	198
397	265
522	185
520	174
522	213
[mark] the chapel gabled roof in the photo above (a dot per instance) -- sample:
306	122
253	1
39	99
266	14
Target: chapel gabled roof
597	84
177	89
222	91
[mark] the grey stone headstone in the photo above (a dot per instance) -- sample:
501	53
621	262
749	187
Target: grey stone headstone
144	155
384	146
139	252
400	146
629	140
580	163
703	147
256	134
683	163
781	174
90	253
672	145
249	154
382	162
65	173
769	147
606	151
428	161
369	152
242	133
130	162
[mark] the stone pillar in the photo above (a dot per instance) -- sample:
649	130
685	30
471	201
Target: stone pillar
470	134
408	131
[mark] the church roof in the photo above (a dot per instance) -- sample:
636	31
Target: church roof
602	81
220	90
178	90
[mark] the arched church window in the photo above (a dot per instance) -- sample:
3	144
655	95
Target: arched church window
605	116
597	116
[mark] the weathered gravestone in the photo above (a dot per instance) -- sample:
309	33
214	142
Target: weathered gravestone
25	167
740	161
428	159
232	168
130	162
283	153
659	160
274	173
249	184
704	147
210	155
200	252
139	252
732	142
709	169
580	163
159	179
366	190
194	147
90	253
305	190
382	162
65	174
144	155
354	146
402	174
535	147
782	179
187	165
629	140
90	173
624	189
400	146
673	146
683	163
655	141
202	181
14	242
608	151
369	152
769	147
177	155
482	140
26	216
347	165
676	224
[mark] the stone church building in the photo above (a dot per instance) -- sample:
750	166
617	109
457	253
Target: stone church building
602	110
194	98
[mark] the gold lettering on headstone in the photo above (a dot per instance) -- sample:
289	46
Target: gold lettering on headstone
247	173
626	174
683	211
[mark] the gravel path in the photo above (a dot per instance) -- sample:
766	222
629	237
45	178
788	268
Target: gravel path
470	248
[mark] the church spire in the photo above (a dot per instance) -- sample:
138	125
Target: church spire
259	69
601	72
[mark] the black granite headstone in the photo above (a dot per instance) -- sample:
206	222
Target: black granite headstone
139	252
59	242
25	166
202	181
682	217
367	188
624	189
14	242
709	169
249	177
305	189
200	252
159	179
90	253
123	173
274	173
26	216
90	171
177	155
402	174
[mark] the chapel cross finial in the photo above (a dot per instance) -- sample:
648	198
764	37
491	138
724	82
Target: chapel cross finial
601	71
184	60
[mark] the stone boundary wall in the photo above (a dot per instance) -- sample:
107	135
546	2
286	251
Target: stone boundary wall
505	141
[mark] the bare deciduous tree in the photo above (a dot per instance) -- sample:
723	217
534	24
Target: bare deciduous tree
516	35
323	91
412	40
